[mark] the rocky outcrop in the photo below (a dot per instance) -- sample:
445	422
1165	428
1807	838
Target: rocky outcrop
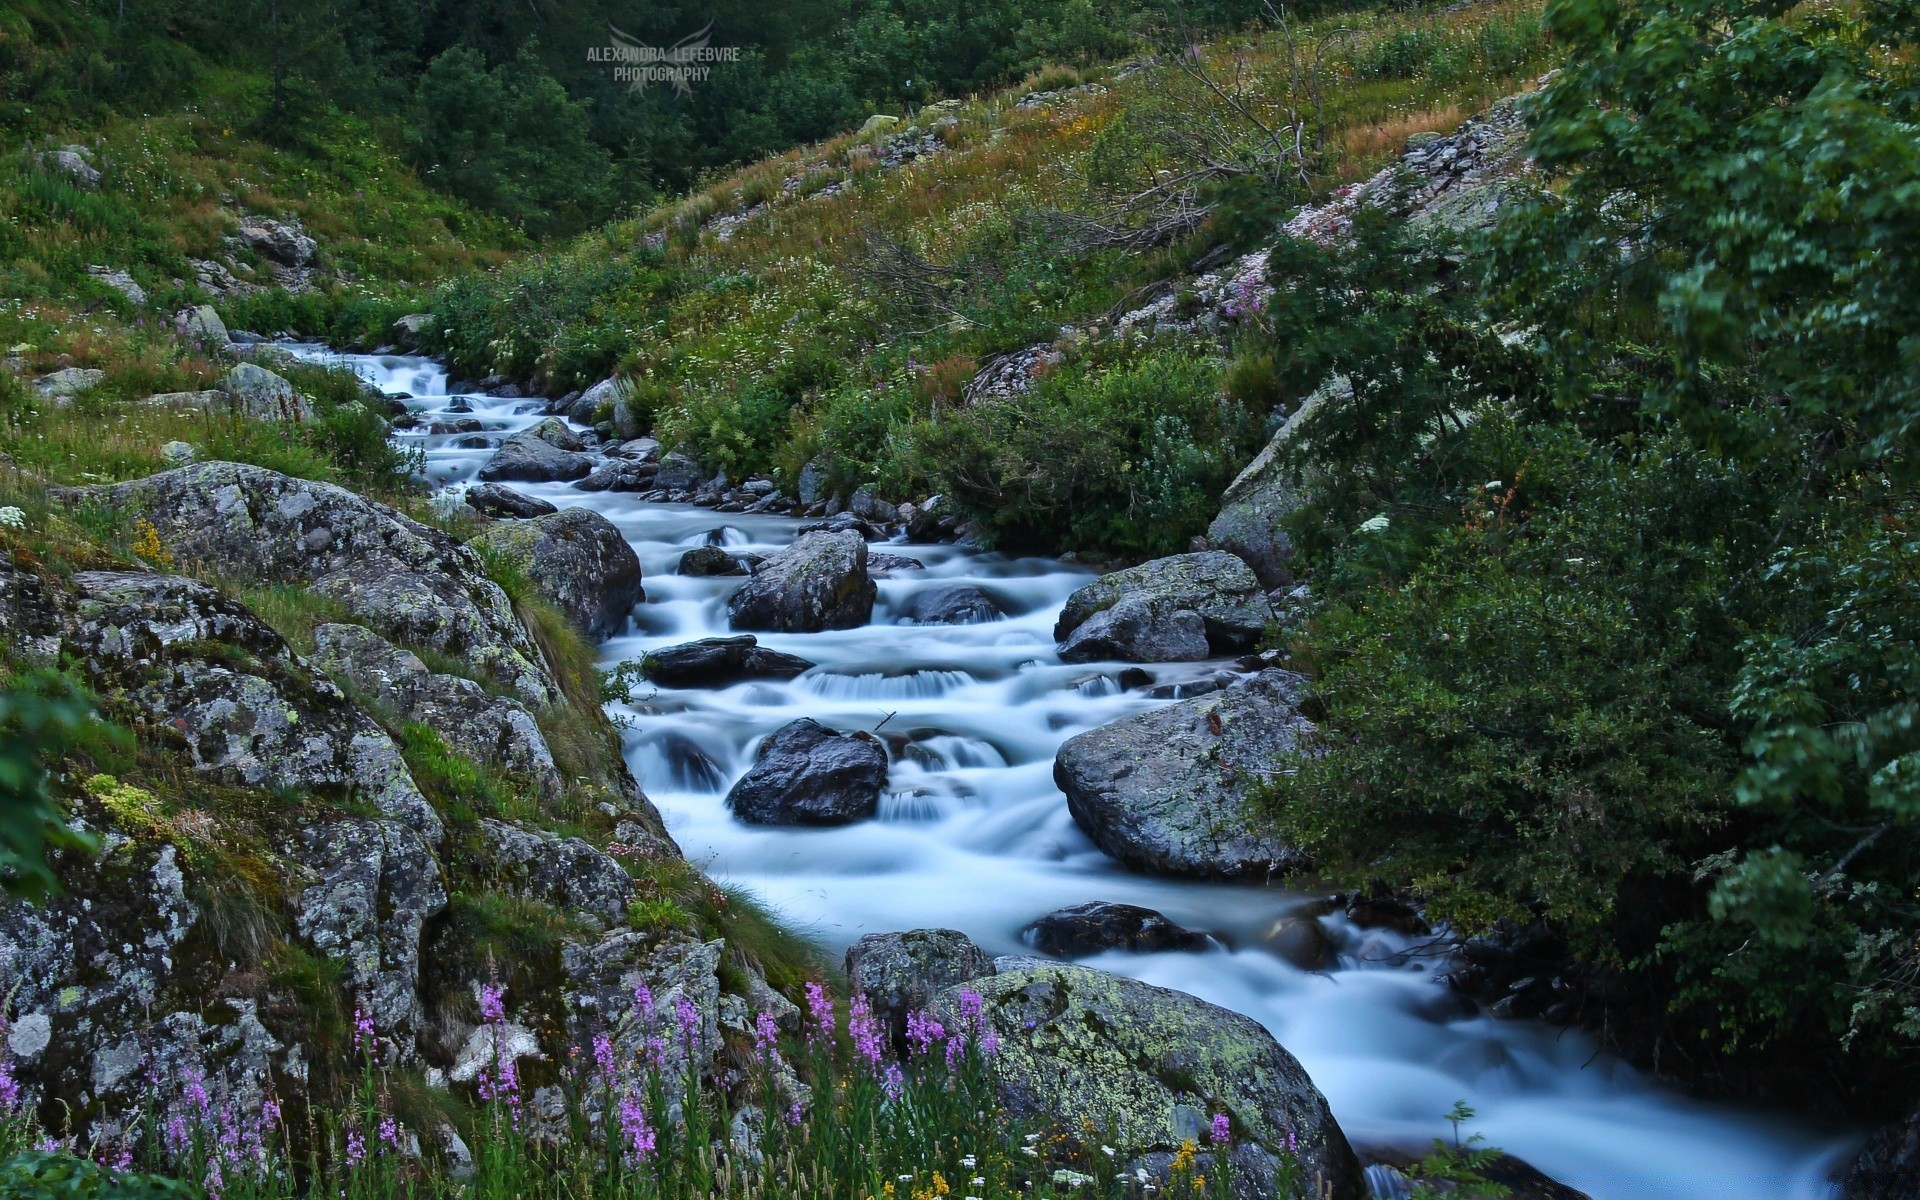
253	715
1889	1166
719	662
1169	610
1157	1066
493	730
262	395
68	382
1167	790
493	500
577	559
1255	507
900	973
806	774
819	582
1085	929
202	326
281	241
410	582
950	604
542	453
568	873
75	162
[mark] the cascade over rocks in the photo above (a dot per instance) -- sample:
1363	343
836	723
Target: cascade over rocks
577	559
1174	609
1166	790
819	582
1075	1041
1084	929
408	581
806	774
718	662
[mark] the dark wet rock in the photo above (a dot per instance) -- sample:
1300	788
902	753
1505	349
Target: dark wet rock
494	500
254	715
1091	928
819	582
493	730
577	559
1387	913
619	475
644	450
807	774
879	563
1394	1171
1888	1168
1171	609
846	522
1166	790
679	472
900	973
568	873
719	662
1157	1064
929	521
406	330
543	453
1303	941
869	507
710	561
410	582
950	604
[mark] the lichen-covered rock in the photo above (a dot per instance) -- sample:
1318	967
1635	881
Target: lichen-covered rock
603	983
577	559
718	662
202	326
568	873
493	500
252	714
819	582
807	774
542	453
263	395
1172	609
376	885
63	385
900	973
283	242
1153	1067
950	604
409	581
1084	929
495	730
1166	790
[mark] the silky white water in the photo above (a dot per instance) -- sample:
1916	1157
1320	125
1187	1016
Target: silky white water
973	835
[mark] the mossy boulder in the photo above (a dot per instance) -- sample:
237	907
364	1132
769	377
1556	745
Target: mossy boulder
819	582
577	559
1175	609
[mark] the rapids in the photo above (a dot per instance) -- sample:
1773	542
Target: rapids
973	835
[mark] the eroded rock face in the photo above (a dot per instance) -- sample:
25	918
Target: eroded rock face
1085	929
718	662
568	873
1166	790
900	973
819	582
1174	609
577	559
376	886
807	774
493	730
1160	1064
253	715
406	580
542	453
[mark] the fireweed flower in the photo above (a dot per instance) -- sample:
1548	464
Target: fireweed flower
820	1006
356	1148
389	1132
922	1032
1221	1130
766	1035
865	1031
893	1083
638	1135
689	1021
362	1030
643	1001
493	1005
794	1114
956	1050
603	1056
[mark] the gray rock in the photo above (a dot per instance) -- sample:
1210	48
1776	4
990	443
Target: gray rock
950	604
1212	585
679	472
811	487
376	886
719	662
542	453
1154	1066
254	715
928	521
807	774
1303	941
709	561
568	873
596	403
76	163
202	326
493	500
1085	929
496	731
868	506
818	582
200	401
900	973
262	395
178	454
601	980
644	449
120	282
1256	505
412	583
68	382
577	559
619	475
1166	790
281	241
406	330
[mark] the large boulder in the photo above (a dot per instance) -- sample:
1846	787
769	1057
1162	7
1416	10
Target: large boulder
497	731
68	382
950	604
283	242
75	162
412	583
1084	929
265	396
541	453
806	774
710	561
1154	1067
254	715
568	873
1889	1166
718	662
493	500
819	582
202	326
679	472
1167	790
1172	609
900	973
579	560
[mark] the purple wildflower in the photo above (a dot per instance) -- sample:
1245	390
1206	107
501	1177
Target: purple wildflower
990	1043
176	1136
216	1182
356	1148
362	1030
634	1128
603	1056
971	1005
956	1050
794	1114
9	1089
689	1021
389	1132
643	1001
1221	1131
922	1032
1293	1142
893	1083
493	1005
865	1030
766	1035
820	1006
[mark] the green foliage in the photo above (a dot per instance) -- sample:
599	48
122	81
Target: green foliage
38	1175
42	714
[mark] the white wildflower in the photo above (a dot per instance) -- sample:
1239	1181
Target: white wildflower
1494	485
12	517
1109	1151
1374	524
969	1162
1072	1179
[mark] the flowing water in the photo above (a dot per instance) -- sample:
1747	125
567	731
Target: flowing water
973	835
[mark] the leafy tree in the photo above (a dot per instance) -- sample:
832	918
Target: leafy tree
41	714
